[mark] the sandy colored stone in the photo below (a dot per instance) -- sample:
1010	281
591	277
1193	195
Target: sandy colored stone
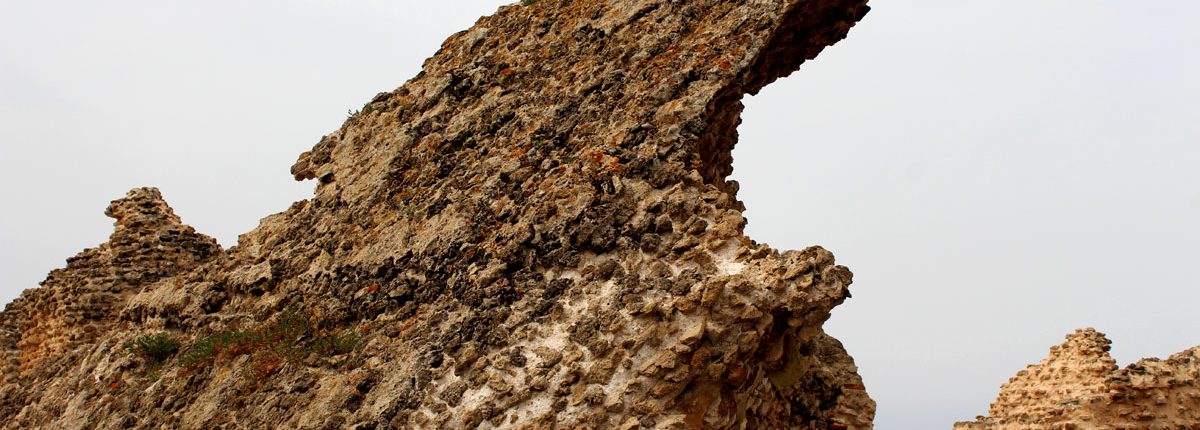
1080	387
537	231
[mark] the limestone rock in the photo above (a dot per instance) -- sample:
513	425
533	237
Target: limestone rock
535	232
79	303
46	331
1080	387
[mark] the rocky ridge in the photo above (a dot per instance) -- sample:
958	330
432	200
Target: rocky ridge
1079	386
535	232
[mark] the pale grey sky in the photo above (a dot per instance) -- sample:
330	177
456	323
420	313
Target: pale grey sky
996	174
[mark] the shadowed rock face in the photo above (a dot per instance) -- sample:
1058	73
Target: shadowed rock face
1080	387
534	232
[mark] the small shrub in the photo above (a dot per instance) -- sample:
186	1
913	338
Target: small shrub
201	352
528	2
289	338
230	344
156	347
366	109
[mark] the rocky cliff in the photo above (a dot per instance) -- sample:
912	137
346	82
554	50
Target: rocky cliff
1080	387
534	232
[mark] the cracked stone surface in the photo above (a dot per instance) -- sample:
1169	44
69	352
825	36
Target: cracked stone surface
535	232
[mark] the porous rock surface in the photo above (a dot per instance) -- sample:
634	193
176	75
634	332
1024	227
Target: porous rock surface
1079	386
535	232
78	304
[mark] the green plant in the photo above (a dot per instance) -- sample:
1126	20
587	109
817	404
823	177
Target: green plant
528	2
221	344
366	109
157	347
289	338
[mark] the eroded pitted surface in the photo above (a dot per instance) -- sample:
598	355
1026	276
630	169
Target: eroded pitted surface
1080	387
535	232
47	330
77	304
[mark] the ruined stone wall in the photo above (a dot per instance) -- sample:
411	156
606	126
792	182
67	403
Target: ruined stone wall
78	303
535	232
1080	387
44	330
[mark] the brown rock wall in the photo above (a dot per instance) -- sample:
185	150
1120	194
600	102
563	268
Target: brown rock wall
534	232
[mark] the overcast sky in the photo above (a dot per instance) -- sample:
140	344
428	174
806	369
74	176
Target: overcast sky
996	174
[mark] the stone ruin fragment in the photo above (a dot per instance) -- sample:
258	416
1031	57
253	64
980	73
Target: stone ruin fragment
535	232
1080	387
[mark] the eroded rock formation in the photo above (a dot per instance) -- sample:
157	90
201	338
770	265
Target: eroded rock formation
535	232
79	303
1080	387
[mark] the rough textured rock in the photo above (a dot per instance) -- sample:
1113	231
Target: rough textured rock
45	332
1080	387
79	303
535	232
